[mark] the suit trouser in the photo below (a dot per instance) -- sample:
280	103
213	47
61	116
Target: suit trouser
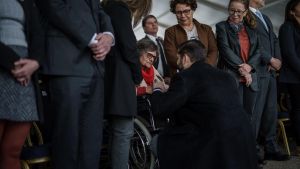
260	102
269	117
248	99
266	113
77	104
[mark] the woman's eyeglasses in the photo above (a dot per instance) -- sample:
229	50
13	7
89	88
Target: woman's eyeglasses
151	56
238	12
184	12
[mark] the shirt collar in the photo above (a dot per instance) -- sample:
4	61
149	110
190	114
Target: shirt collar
153	38
253	9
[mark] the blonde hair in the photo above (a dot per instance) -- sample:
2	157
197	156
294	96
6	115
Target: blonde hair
138	8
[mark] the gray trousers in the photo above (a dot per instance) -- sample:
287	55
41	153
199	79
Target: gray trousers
77	114
265	118
122	129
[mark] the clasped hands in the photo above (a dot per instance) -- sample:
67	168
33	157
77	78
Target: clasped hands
244	70
23	69
102	46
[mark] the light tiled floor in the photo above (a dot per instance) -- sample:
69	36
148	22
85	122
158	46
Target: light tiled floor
293	163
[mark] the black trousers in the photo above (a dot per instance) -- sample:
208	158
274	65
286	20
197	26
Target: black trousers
77	107
294	91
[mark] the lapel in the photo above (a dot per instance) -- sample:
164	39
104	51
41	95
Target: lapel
261	24
94	11
232	36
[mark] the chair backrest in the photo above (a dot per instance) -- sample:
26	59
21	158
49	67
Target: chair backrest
37	134
34	150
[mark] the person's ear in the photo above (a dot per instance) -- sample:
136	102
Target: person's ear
292	13
186	58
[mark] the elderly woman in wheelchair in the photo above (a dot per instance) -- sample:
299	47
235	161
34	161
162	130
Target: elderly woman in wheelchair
145	125
148	55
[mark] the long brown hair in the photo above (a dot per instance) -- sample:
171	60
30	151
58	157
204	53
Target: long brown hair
249	18
138	8
290	6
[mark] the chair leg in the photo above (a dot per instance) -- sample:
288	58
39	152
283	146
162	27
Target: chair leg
24	165
285	140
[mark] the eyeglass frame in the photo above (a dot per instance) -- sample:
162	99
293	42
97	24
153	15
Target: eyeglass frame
151	55
183	12
233	12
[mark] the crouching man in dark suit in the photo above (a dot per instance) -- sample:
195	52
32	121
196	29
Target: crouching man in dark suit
211	129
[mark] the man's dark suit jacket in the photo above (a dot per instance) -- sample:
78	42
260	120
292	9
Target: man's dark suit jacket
269	44
229	51
67	42
210	123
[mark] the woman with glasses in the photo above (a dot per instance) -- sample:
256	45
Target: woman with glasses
239	51
148	54
289	36
187	28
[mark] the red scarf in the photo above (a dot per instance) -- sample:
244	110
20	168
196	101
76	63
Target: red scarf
148	75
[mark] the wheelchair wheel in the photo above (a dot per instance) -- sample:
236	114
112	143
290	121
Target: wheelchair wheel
141	156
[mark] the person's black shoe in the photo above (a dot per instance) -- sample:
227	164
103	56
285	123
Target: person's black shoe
276	156
262	162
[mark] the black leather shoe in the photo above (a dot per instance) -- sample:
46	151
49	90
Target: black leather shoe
276	156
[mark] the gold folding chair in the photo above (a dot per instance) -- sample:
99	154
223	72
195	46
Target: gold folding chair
283	120
34	150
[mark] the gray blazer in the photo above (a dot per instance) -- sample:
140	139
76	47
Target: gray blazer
71	26
229	51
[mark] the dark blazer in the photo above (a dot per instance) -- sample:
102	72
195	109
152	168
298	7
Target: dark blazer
269	44
164	63
229	51
210	123
289	35
123	69
69	33
35	39
176	35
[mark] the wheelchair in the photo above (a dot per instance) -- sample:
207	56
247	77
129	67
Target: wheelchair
146	125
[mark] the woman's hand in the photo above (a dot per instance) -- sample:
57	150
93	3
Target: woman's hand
248	78
23	70
244	68
149	90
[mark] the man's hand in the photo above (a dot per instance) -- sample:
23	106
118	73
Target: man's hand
275	63
102	47
159	85
23	70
